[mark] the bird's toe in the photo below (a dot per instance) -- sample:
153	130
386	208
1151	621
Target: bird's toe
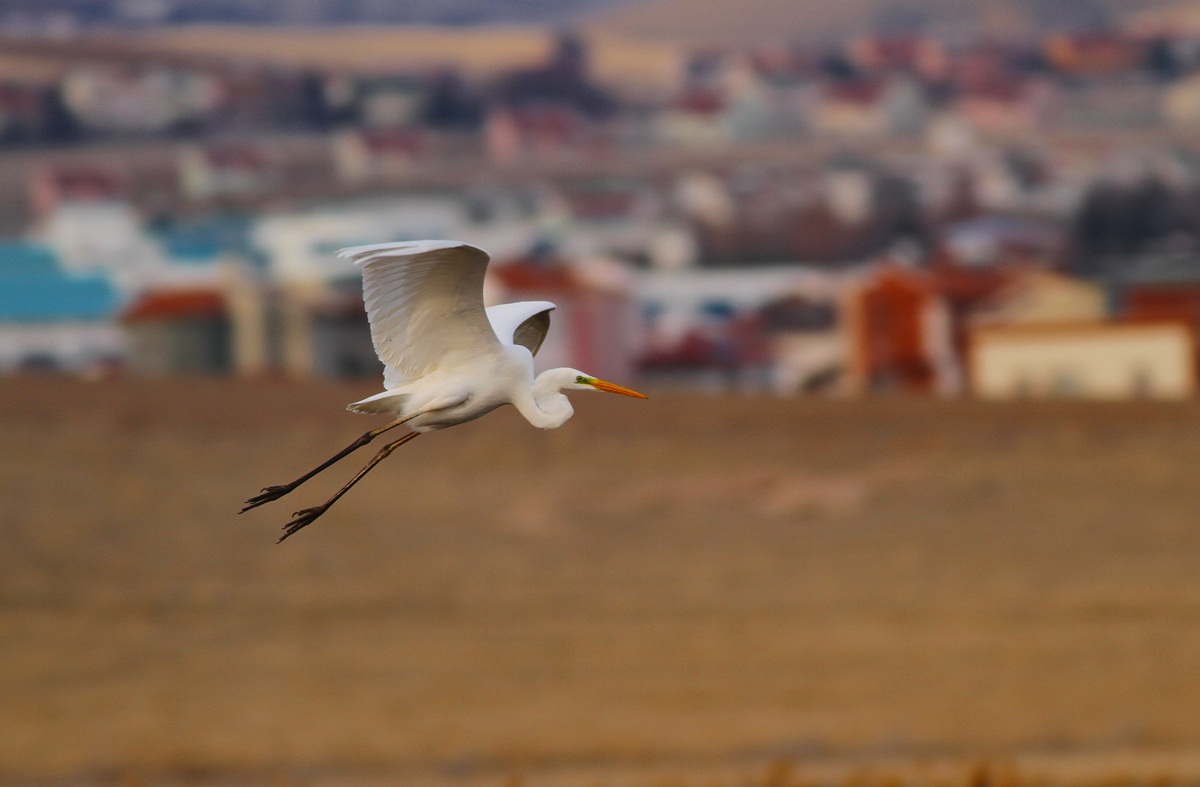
269	494
300	519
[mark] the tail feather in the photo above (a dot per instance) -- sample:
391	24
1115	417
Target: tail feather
386	402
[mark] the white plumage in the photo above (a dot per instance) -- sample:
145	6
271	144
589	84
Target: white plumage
447	360
425	303
524	322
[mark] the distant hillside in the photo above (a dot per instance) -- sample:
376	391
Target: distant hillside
761	21
87	13
479	51
739	22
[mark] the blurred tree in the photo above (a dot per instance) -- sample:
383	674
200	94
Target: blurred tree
61	125
563	81
452	104
1117	222
314	108
1162	60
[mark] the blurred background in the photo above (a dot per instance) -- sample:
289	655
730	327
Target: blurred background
914	286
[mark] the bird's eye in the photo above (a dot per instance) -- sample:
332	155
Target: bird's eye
581	380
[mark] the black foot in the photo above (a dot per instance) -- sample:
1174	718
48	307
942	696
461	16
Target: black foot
268	494
301	518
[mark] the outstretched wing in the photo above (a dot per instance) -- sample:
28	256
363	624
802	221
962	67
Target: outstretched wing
524	323
424	300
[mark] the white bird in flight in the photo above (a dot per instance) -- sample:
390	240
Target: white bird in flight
447	359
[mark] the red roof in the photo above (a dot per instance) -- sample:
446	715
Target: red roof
892	52
861	92
83	182
1009	90
1096	52
236	157
175	305
951	281
600	204
528	275
701	102
19	99
783	62
546	120
384	141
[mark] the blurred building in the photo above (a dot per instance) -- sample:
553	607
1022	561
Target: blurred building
1085	360
538	134
178	332
872	108
52	319
807	342
900	335
711	201
139	98
367	156
226	171
1040	297
776	327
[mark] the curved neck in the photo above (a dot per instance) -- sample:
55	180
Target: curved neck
543	404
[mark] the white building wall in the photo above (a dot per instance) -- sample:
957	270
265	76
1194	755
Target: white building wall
71	346
1089	361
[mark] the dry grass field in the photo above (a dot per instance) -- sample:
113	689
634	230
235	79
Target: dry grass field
682	592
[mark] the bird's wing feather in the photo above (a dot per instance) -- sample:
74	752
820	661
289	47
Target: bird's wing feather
524	323
424	300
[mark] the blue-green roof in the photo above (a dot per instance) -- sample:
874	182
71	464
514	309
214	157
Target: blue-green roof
204	239
26	258
35	288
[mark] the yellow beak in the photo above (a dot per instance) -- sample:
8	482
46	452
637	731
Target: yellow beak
603	385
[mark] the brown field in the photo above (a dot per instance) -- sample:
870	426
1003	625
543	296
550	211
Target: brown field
683	592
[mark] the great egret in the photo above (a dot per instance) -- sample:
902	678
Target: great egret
446	359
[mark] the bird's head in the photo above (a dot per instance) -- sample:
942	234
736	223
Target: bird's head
549	395
580	381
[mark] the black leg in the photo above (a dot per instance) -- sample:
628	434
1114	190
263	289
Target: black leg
275	492
309	515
